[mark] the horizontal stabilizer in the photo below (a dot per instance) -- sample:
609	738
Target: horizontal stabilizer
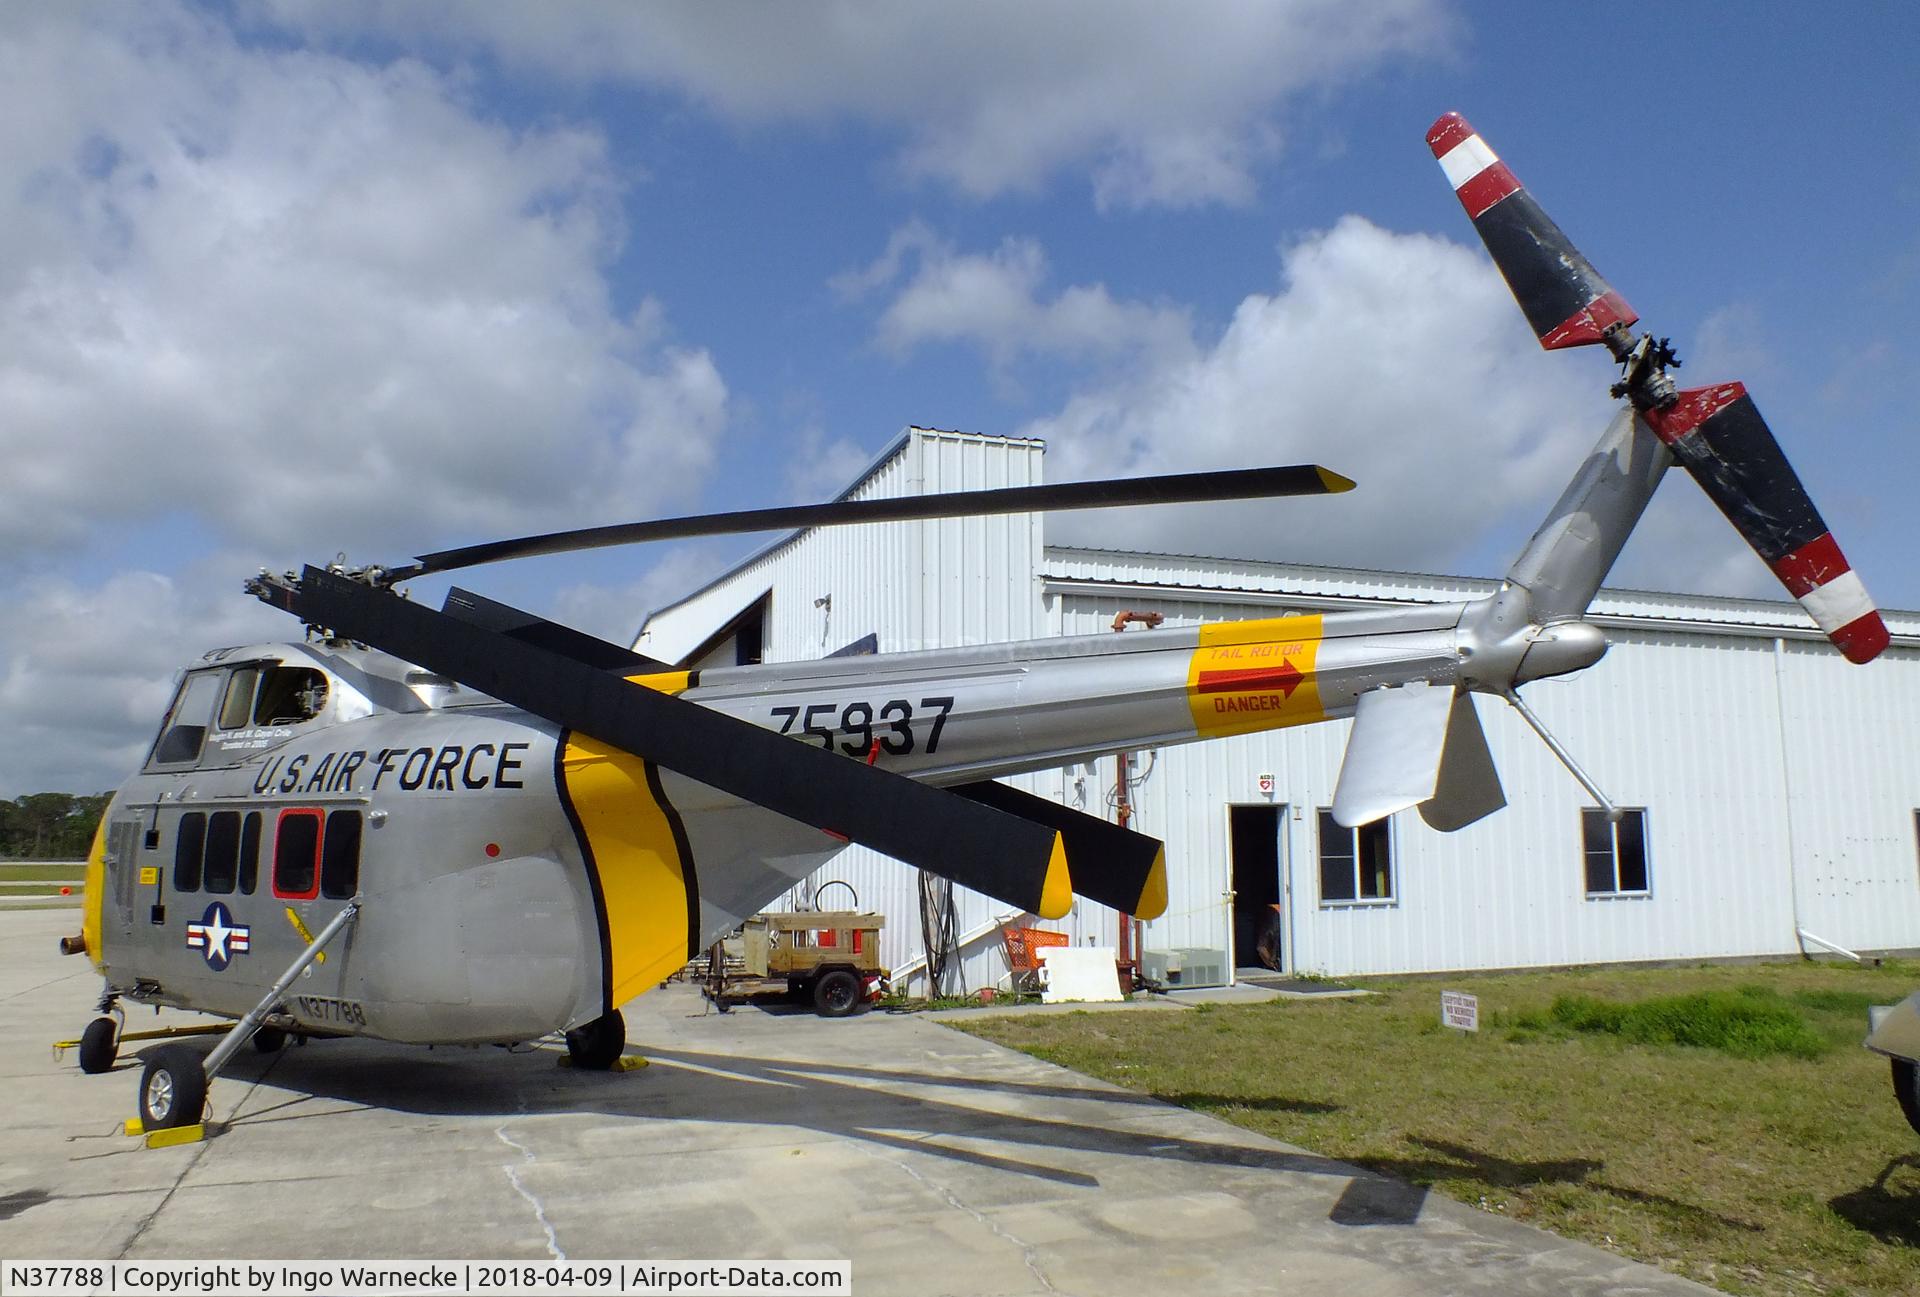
1469	787
1393	754
1115	867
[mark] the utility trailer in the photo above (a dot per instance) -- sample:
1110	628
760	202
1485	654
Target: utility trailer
828	957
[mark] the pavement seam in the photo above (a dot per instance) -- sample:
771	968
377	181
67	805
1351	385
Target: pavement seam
199	1153
64	977
1028	1252
513	1178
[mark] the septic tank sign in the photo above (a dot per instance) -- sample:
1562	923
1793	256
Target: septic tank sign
1458	1009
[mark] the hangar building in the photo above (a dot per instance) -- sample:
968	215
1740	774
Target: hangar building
1774	787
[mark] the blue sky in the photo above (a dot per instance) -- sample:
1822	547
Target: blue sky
288	279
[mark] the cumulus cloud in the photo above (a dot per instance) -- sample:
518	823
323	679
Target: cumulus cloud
1398	359
86	668
316	303
997	302
280	303
1158	109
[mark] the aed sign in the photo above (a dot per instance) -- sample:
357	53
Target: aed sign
1458	1009
1266	785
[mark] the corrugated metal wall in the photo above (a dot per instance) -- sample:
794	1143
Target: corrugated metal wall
915	585
1737	745
1775	775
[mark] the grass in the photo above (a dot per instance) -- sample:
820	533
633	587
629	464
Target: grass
30	878
1751	1021
1721	1122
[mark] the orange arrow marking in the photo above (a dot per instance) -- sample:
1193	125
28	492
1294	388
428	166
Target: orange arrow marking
1285	677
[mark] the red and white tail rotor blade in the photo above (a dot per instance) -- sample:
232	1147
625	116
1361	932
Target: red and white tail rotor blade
1719	436
1715	432
1564	298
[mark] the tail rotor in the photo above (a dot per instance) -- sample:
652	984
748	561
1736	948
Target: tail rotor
1715	433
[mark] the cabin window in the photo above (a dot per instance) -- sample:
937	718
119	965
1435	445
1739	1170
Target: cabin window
296	855
185	730
222	867
290	695
1355	864
1615	854
340	856
250	853
189	849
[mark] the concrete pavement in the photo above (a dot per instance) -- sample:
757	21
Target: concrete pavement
935	1162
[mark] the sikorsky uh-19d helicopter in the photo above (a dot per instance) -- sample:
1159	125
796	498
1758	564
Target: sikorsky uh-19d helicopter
472	825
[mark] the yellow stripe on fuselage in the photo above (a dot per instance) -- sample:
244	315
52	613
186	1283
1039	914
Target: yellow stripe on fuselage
93	897
643	880
1255	675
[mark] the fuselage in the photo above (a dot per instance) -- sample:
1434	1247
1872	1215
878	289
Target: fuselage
519	879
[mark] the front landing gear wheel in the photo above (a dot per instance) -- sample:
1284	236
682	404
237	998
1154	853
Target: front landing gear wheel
173	1089
1906	1088
597	1045
99	1046
836	993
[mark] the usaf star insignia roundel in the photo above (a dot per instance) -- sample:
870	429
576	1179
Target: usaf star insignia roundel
218	937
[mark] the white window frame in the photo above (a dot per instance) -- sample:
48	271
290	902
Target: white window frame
1629	814
1322	818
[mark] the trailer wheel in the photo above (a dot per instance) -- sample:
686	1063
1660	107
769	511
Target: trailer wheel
1906	1088
596	1045
99	1046
173	1089
836	993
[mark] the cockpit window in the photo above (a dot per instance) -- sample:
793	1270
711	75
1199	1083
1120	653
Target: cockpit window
236	709
185	732
289	695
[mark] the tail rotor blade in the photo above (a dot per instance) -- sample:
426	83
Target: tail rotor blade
1718	435
1564	298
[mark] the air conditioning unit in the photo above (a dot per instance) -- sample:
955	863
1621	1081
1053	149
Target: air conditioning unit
1165	967
1201	966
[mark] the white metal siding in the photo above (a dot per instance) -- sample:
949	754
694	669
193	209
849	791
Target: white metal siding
1766	762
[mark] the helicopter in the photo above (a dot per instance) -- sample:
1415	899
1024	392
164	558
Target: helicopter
472	825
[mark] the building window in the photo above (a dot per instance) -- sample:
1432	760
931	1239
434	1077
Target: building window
1615	853
1355	864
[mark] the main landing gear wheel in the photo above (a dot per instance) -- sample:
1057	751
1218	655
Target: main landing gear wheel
269	1040
597	1045
99	1046
173	1089
836	993
1906	1088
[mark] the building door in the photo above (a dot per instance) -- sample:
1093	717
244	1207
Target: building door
1259	922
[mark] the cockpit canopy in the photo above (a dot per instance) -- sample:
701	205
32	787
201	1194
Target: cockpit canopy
236	708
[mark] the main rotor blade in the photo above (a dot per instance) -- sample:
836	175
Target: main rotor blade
1006	856
1564	298
1174	488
